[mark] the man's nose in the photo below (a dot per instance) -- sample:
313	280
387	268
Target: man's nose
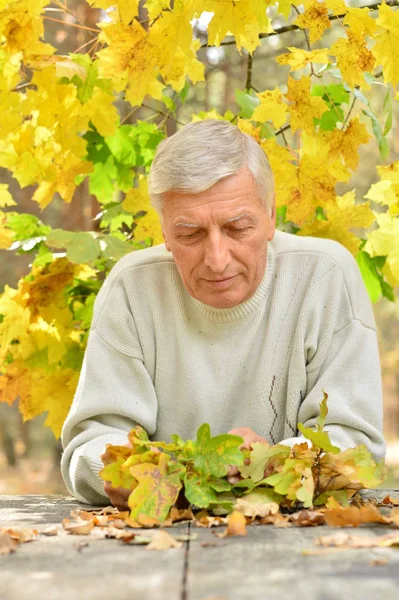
217	253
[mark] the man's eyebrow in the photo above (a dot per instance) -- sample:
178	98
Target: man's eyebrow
242	216
231	220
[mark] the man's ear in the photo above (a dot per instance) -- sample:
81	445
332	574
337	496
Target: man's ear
272	220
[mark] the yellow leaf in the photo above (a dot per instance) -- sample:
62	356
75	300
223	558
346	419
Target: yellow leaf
385	241
386	49
284	171
149	226
245	20
343	214
6	236
10	64
21	28
298	58
155	7
337	7
130	61
383	192
102	112
315	18
360	21
353	59
137	199
127	9
345	143
271	108
304	108
5	197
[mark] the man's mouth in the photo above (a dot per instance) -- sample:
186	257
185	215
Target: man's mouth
220	283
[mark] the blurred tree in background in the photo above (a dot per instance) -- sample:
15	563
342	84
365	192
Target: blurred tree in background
88	89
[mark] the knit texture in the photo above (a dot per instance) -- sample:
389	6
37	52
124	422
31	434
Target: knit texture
162	359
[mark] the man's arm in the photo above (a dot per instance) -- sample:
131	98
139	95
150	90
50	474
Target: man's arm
115	392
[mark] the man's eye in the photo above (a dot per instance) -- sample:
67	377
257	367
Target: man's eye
239	229
189	236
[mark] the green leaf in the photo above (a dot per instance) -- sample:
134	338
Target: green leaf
101	180
116	476
198	492
378	133
122	146
371	278
319	439
184	92
113	247
387	106
81	247
321	419
26	226
212	456
247	104
218	484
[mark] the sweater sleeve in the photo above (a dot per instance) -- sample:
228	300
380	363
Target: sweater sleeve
343	360
115	392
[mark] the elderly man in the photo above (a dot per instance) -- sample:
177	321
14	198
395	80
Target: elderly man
229	322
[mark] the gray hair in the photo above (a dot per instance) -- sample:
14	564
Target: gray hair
202	153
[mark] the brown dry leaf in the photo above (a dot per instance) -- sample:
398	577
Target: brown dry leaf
203	519
7	544
77	528
389	500
378	561
236	525
136	539
306	518
117	533
278	520
346	540
22	534
101	521
250	509
354	516
132	523
177	514
162	540
394	516
107	510
146	521
118	523
82	515
51	530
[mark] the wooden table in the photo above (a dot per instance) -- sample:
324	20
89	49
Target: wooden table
267	564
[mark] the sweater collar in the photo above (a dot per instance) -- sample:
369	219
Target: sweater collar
235	313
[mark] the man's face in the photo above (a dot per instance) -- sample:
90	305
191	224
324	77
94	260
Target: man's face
219	239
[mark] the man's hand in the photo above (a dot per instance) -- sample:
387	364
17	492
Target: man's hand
250	437
119	495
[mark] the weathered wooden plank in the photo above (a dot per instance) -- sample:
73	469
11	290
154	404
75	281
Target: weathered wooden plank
64	568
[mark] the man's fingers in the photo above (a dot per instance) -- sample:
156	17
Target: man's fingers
232	470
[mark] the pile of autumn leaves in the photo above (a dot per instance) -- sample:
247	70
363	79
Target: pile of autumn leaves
186	482
274	479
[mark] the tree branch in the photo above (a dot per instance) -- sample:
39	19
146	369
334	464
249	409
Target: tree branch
249	72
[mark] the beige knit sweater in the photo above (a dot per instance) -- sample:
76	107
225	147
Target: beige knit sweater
160	358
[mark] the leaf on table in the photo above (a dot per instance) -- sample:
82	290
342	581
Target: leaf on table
162	540
82	515
114	532
212	455
389	500
264	457
22	534
307	518
236	525
176	514
346	540
258	503
76	527
136	540
278	520
7	544
50	531
204	519
354	516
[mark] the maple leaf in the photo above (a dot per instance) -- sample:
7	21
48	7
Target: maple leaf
360	21
297	58
304	108
127	9
315	18
271	108
5	197
342	214
245	20
384	241
386	48
353	59
157	489
21	28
